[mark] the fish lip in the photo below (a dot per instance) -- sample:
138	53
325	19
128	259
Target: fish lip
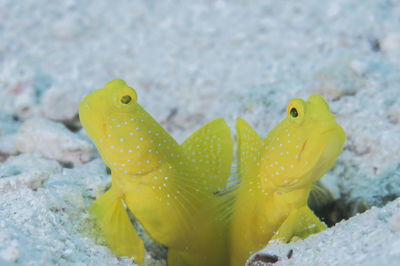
85	105
93	100
85	109
87	102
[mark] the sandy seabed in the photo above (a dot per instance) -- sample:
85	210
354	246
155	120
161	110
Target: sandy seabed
191	62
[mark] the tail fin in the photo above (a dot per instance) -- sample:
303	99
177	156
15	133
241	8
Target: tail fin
113	219
211	149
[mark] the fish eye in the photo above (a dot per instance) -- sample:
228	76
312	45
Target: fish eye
126	99
293	112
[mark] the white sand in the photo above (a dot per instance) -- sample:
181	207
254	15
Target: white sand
190	62
371	238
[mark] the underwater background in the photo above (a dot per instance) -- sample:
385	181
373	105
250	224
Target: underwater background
191	62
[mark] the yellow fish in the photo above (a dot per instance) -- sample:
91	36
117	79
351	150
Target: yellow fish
168	187
277	175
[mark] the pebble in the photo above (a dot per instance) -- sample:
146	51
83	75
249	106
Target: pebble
373	42
61	104
65	29
25	103
32	180
395	248
394	222
7	145
29	162
26	170
52	140
358	67
11	253
333	11
394	114
391	43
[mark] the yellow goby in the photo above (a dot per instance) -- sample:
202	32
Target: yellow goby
168	187
277	175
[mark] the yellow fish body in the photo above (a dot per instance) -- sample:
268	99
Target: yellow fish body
168	187
277	174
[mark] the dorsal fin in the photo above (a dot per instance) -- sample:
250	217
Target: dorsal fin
248	152
210	154
210	148
245	176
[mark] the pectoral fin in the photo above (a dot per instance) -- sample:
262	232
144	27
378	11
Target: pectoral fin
299	224
113	219
309	224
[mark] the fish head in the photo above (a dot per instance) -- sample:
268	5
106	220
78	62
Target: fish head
127	137
97	108
302	147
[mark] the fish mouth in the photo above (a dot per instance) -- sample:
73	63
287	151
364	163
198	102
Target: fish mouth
323	157
91	116
84	109
87	103
303	148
